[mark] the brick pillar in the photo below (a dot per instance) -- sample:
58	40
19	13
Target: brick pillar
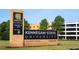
16	40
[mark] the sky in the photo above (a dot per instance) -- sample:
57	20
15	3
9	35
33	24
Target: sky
34	16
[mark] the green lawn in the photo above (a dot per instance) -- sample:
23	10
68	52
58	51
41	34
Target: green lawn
64	45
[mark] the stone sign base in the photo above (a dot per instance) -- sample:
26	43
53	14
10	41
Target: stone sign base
17	41
42	42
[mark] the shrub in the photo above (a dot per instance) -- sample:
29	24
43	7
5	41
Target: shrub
5	35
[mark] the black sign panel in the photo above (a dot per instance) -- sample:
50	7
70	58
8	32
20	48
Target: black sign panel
17	23
40	34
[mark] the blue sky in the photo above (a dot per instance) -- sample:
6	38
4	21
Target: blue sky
36	15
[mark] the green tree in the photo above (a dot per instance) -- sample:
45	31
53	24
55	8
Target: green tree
43	24
3	26
26	25
56	25
8	25
0	31
4	30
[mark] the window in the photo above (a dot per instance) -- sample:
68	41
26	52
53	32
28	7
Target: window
37	26
33	26
30	26
71	29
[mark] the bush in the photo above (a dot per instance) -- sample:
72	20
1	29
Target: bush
5	35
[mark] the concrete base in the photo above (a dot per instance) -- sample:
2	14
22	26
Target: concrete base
40	42
17	41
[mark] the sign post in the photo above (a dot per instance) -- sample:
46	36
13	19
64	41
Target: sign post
16	28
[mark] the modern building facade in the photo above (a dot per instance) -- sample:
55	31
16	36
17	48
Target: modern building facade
70	31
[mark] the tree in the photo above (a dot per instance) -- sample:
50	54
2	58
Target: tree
43	24
0	31
3	26
4	30
26	25
56	25
8	25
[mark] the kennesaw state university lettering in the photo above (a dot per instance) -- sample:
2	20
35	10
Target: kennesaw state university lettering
40	34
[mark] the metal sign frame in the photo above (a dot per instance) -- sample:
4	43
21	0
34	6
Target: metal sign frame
17	23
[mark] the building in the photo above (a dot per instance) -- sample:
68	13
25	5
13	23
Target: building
70	31
37	27
34	26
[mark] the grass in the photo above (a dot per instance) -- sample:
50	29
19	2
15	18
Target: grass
64	45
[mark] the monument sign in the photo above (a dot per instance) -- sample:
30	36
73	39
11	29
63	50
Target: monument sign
20	38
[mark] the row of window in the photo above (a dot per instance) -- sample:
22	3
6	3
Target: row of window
34	26
70	29
71	25
69	33
68	37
